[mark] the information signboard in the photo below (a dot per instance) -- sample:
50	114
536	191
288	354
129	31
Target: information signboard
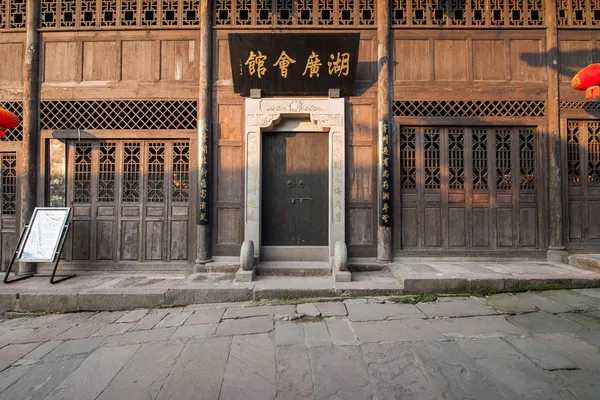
44	235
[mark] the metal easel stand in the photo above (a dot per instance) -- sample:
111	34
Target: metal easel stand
57	256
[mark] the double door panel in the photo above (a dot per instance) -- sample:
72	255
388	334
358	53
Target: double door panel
131	201
294	189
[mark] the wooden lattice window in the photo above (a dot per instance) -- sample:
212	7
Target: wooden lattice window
593	148
325	13
119	114
118	14
467	13
13	14
578	13
583	105
408	166
82	183
155	187
527	158
474	108
480	159
181	172
107	172
8	164
456	159
574	159
16	107
503	164
432	158
131	173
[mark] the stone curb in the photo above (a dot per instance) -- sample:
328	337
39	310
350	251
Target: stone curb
113	299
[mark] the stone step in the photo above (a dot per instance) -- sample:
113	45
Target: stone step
266	268
586	261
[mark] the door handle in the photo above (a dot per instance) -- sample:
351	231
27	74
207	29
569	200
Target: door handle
301	199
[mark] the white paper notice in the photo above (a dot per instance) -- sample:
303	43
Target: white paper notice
44	235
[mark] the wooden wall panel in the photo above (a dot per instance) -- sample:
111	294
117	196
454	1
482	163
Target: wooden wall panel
138	60
412	60
361	121
130	238
179	61
360	166
179	240
11	64
222	67
229	227
366	67
489	60
101	61
61	62
574	55
230	121
527	61
360	230
450	60
230	171
105	229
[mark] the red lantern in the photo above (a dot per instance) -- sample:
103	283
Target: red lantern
587	77
8	120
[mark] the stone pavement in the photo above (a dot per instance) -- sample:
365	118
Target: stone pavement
113	291
528	345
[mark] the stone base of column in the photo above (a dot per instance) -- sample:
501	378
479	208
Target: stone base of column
384	244
558	254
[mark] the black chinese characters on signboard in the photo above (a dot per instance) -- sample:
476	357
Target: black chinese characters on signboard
385	204
294	64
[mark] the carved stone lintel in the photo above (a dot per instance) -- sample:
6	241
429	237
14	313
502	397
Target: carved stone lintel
327	120
261	120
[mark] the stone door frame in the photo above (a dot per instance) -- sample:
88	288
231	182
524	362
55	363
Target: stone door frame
264	114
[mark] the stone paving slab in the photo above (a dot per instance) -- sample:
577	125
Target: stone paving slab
455	308
542	322
508	303
205	317
541	354
245	326
135	380
251	371
395	331
294	377
78	346
94	374
451	372
258	311
543	303
192	377
348	380
515	375
476	327
380	312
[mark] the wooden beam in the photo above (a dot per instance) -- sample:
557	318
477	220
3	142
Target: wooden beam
384	94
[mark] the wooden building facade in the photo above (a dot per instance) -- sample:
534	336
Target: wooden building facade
130	117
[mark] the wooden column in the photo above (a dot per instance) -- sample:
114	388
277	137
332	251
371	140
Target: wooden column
556	196
384	93
204	193
31	121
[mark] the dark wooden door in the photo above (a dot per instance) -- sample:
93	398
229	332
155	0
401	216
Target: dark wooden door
294	189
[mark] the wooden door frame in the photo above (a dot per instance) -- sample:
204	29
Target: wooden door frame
264	114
